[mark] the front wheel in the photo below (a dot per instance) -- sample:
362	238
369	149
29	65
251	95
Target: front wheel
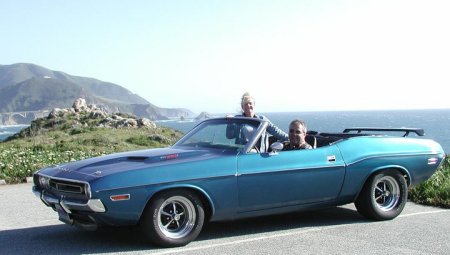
173	218
383	196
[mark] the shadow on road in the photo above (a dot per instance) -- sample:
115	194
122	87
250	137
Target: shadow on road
63	239
325	217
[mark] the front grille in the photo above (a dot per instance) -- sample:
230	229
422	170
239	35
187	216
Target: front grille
68	187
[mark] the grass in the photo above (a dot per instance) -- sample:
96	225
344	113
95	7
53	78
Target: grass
20	158
436	190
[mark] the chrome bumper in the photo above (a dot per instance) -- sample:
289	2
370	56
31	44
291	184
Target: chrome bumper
92	205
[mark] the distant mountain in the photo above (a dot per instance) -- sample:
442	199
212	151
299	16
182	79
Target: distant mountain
29	87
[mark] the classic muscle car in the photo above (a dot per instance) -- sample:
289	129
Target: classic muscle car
217	172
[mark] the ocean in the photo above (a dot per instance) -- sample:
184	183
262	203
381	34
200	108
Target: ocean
6	131
436	123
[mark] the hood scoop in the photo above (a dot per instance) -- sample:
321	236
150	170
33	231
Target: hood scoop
137	158
152	159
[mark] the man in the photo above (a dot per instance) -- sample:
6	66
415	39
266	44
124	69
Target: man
297	134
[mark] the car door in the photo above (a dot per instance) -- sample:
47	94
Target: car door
289	178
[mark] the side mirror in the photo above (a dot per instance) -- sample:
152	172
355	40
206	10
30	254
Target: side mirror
276	147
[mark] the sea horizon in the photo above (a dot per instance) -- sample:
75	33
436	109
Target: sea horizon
435	122
284	112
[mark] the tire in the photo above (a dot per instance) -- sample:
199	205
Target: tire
173	218
383	196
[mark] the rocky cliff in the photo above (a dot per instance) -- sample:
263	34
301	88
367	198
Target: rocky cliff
82	115
28	91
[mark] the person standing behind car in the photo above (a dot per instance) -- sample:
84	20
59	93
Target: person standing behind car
297	134
248	110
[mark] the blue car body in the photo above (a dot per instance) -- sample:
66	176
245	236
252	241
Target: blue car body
228	176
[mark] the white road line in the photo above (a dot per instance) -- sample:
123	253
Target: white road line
181	250
421	213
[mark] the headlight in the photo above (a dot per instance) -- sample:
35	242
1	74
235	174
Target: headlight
44	181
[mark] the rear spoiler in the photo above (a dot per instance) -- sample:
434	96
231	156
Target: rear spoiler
418	131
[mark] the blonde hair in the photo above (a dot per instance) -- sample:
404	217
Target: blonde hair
245	98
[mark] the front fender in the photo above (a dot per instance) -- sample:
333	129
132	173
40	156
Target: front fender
198	190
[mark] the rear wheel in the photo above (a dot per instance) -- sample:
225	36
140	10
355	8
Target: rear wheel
384	196
173	218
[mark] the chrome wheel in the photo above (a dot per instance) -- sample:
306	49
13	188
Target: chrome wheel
176	217
383	196
173	218
387	193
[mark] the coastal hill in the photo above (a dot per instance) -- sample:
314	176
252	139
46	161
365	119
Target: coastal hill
74	133
29	91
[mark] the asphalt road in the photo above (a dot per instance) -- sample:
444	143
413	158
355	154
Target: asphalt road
29	227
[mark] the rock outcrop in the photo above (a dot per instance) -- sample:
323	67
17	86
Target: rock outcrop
203	116
81	116
80	112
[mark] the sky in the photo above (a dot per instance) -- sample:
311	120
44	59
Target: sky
291	55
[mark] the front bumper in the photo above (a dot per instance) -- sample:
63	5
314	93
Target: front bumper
75	213
92	205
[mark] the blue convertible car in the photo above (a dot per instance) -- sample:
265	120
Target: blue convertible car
217	172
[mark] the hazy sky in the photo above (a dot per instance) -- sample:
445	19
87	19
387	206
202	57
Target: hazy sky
203	54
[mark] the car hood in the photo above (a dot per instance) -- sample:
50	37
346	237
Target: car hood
126	161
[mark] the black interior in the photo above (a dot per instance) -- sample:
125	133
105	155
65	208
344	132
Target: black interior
323	139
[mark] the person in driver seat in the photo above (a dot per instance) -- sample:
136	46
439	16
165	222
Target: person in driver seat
297	134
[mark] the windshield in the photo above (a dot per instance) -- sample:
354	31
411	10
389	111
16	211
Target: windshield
226	134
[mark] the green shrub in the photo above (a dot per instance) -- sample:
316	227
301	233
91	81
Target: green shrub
75	131
138	140
17	163
20	158
436	190
153	140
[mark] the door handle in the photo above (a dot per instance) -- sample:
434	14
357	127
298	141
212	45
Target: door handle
331	158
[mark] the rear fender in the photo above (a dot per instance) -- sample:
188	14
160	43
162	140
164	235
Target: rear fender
377	170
